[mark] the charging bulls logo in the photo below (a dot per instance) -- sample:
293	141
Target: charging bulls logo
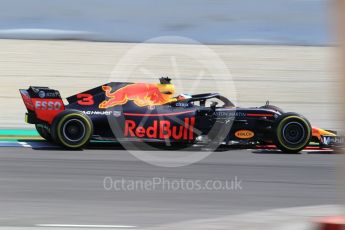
142	94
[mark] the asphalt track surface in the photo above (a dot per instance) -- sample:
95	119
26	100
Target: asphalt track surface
53	186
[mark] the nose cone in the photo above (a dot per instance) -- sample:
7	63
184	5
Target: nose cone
317	132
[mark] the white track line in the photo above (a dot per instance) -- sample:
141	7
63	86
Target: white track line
24	144
27	144
10	144
84	226
296	218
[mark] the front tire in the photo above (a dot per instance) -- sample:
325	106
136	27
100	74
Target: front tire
292	132
72	129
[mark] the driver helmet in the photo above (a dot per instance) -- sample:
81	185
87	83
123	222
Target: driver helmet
183	96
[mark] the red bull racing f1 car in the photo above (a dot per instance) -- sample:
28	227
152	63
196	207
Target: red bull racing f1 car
150	113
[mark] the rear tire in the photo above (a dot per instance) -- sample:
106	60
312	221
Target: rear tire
43	132
292	132
72	129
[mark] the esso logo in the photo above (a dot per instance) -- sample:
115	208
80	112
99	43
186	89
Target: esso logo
48	105
244	134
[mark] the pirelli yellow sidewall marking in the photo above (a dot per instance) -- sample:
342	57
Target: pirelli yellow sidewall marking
279	129
87	131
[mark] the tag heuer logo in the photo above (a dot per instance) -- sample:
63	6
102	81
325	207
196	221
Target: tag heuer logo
117	113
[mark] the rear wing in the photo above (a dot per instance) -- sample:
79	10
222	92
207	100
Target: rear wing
42	103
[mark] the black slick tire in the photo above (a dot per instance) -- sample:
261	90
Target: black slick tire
72	129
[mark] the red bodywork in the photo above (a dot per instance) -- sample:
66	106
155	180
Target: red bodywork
45	109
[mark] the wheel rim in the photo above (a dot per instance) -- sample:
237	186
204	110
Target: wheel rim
294	133
74	130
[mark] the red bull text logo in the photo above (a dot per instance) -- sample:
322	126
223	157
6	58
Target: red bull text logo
161	129
142	94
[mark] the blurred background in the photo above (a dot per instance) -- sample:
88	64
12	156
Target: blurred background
284	51
277	50
294	22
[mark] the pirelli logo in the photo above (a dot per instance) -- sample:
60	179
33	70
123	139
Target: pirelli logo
244	134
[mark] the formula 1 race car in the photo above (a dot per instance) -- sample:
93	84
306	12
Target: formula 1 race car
149	113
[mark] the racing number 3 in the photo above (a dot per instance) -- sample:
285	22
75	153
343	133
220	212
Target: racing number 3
85	99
